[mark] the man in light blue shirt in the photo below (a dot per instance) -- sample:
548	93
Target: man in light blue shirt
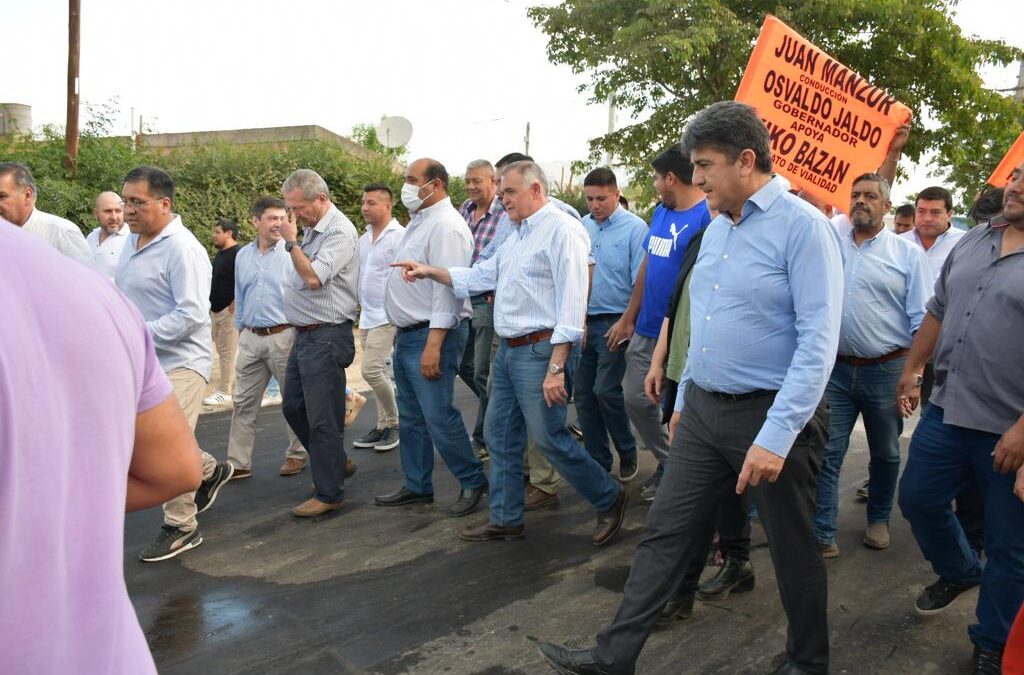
166	272
262	269
765	306
540	292
886	286
617	244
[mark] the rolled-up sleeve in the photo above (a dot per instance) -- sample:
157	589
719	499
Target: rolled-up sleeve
190	288
569	253
335	252
449	249
816	281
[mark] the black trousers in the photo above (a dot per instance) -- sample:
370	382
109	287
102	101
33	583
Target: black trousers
704	461
314	402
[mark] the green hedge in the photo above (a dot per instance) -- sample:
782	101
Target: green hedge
213	181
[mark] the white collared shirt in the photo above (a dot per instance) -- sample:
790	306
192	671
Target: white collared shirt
105	255
375	258
59	233
436	236
939	251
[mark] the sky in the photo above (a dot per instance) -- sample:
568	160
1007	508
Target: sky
469	75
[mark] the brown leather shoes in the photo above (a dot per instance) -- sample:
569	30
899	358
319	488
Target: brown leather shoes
538	499
609	522
314	507
292	466
488	531
350	467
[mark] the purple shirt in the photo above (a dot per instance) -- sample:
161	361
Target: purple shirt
76	366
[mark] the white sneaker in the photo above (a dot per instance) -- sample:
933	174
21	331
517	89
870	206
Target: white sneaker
217	398
271	400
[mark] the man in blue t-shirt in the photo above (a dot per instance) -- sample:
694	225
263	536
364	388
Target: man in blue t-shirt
681	214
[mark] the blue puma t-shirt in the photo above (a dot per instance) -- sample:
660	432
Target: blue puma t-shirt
666	242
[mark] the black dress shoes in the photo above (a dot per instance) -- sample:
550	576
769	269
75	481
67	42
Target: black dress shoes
736	575
467	502
609	522
566	662
679	607
987	661
788	668
403	497
488	531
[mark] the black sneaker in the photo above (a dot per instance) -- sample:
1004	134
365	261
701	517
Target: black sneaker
862	491
480	450
650	488
987	661
170	543
939	596
209	488
628	469
370	439
575	430
388	440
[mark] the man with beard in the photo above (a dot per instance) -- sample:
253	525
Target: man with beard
107	241
973	429
887	284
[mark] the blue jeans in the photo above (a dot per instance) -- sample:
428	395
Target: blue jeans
427	418
517	408
600	405
943	459
869	391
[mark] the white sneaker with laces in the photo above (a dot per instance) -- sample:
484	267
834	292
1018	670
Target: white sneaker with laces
217	398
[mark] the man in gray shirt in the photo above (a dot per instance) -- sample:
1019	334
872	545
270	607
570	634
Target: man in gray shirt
320	302
973	428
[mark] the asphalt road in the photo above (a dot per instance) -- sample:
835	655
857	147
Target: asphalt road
391	591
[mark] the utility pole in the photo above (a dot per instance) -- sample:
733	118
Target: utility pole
1019	95
611	127
74	49
526	140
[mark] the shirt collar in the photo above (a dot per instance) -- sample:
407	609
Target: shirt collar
610	220
447	201
172	228
326	220
527	222
124	231
769	192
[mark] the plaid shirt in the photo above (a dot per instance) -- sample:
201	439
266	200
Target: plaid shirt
483	232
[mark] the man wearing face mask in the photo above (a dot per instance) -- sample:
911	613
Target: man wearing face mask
432	334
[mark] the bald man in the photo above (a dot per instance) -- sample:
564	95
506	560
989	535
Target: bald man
107	240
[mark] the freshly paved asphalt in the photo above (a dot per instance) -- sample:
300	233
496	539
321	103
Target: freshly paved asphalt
391	591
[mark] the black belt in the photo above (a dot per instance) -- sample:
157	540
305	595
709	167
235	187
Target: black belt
757	393
313	326
604	317
416	326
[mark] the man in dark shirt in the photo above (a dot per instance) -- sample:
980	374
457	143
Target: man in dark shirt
222	309
973	428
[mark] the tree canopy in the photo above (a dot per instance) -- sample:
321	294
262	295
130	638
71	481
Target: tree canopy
664	60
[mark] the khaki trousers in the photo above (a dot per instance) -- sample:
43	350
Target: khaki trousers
259	358
188	386
225	342
378	344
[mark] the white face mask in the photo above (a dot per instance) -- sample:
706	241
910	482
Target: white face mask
411	196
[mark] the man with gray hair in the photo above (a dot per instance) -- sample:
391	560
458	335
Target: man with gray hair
18	194
539	279
320	302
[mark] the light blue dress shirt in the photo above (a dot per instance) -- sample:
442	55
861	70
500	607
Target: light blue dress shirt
765	305
260	279
887	286
539	280
618	248
169	281
506	227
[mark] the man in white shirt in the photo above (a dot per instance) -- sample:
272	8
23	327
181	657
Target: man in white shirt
18	205
432	334
933	228
107	240
376	336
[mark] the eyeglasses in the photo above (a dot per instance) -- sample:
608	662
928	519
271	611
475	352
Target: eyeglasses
138	203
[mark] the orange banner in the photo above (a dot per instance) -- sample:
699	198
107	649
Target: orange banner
827	124
1001	176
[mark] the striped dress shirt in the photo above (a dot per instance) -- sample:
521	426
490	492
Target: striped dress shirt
332	248
539	280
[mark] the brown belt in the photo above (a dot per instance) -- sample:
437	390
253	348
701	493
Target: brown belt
857	361
309	327
273	330
531	338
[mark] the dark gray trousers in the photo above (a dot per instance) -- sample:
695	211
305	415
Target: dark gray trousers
704	461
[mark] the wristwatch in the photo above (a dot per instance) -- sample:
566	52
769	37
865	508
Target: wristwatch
920	379
556	369
289	245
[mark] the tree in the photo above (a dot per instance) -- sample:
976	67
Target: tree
664	60
366	136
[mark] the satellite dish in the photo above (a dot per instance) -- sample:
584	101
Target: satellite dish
394	132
